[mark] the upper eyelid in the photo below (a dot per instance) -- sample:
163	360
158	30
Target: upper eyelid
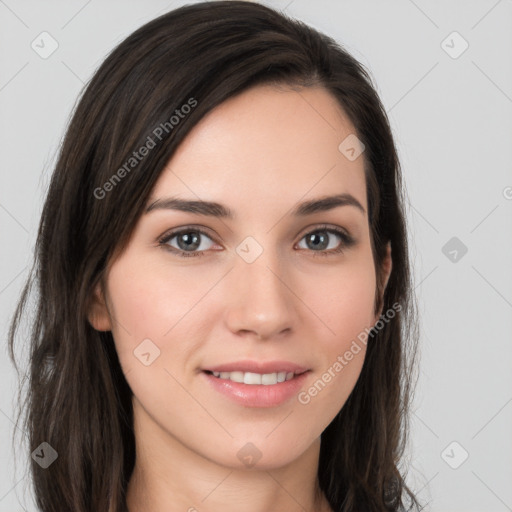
170	233
324	227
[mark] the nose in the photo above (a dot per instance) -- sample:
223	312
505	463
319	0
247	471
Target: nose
262	302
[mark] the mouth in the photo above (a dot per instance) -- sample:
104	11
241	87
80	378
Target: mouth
253	378
257	384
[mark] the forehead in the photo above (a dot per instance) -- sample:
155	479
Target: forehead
266	146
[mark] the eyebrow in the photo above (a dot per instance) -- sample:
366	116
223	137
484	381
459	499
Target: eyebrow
213	209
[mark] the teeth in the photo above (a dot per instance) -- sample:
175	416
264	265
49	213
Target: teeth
266	379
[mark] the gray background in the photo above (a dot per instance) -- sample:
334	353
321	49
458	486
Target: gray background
453	126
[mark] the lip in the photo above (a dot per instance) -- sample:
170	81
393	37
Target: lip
257	395
257	367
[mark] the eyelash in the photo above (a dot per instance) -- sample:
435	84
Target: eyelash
346	241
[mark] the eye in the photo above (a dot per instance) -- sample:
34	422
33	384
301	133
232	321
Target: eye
189	242
325	241
192	241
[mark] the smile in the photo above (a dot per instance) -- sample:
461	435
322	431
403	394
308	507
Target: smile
266	379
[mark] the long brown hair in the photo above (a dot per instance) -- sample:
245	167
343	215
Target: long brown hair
78	400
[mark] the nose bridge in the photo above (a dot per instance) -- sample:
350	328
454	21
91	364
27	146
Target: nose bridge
261	301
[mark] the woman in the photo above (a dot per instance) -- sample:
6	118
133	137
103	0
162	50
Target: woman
224	302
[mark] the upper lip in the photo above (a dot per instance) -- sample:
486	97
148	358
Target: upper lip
258	367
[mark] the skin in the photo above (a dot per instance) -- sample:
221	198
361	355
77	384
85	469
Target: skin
259	153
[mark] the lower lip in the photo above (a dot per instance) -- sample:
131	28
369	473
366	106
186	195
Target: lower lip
257	395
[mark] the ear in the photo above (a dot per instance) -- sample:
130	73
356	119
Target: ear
98	314
387	265
383	278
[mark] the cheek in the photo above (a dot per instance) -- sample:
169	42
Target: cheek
344	301
146	300
155	302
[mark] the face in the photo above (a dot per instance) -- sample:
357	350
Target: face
274	288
